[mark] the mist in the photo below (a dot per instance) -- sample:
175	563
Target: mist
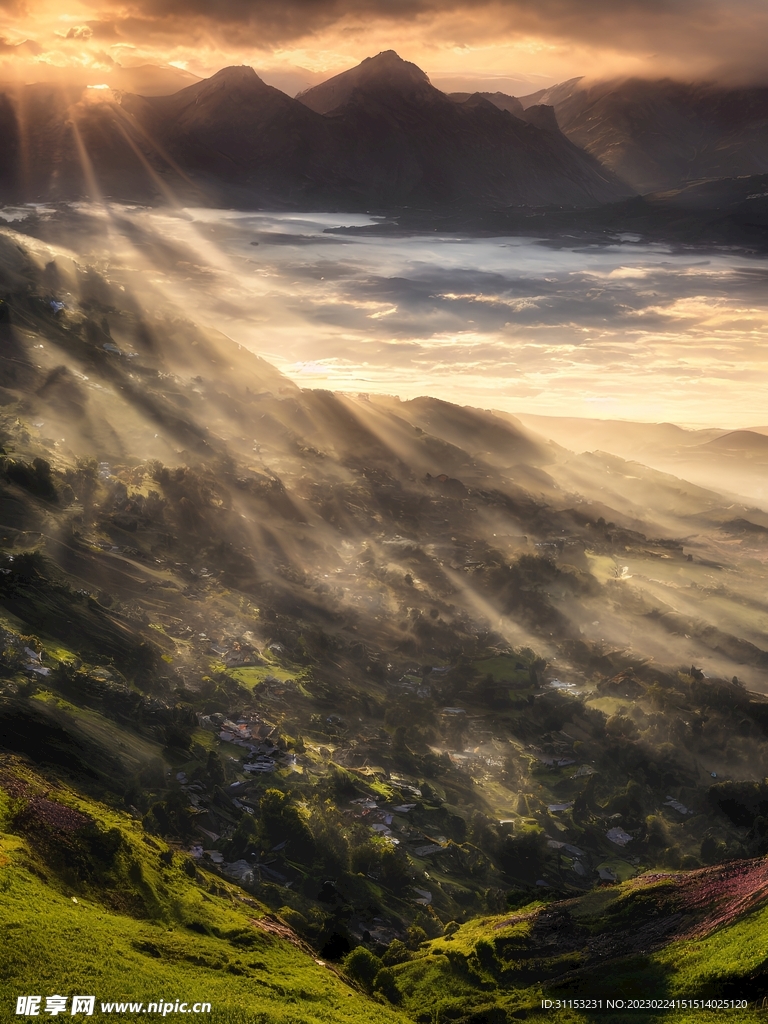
152	365
618	330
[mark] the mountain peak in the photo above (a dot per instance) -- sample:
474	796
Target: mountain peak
389	60
230	90
235	72
386	71
240	79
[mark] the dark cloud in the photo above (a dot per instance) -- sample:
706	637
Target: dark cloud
700	32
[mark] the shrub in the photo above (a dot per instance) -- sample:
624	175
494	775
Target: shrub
363	966
384	982
415	936
396	953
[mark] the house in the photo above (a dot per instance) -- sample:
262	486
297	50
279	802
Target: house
424	896
618	836
428	849
676	805
240	870
262	766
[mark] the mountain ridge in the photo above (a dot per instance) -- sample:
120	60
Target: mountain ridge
391	140
662	133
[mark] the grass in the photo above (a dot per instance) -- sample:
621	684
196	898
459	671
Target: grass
253	675
502	668
185	941
499	964
56	946
134	750
619	867
737	951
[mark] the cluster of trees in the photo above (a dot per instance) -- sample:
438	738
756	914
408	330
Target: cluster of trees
35	477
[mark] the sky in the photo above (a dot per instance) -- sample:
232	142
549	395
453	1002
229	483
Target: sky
514	45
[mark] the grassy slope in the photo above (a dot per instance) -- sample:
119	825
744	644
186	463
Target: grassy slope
529	964
195	938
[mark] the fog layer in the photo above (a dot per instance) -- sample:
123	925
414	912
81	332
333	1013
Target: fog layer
618	330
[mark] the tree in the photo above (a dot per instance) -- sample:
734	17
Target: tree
215	768
280	821
243	837
395	873
328	829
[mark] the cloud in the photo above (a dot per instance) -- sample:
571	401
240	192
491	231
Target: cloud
483	321
700	33
549	39
80	32
27	48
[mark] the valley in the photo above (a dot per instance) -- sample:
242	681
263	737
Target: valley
437	713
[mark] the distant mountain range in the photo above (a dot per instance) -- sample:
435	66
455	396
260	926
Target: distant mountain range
732	461
660	134
376	137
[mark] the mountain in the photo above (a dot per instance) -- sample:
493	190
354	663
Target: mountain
149	79
233	128
539	114
726	460
385	73
380	136
498	99
410	143
376	137
661	134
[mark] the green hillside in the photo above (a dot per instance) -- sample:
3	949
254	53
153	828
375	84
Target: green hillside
90	904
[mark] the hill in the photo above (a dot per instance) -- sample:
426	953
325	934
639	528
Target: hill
653	940
84	885
728	460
